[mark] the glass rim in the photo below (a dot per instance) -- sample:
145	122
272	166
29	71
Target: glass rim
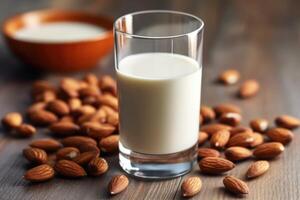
159	11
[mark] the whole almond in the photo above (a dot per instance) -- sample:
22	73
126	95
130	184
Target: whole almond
67	153
113	119
84	110
90	91
42	117
69	87
281	135
36	107
257	168
98	130
101	116
226	108
212	128
208	152
202	137
107	83
191	186
91	79
58	107
35	155
268	150
219	139
229	76
235	185
97	166
74	103
12	120
118	184
207	113
109	100
231	119
259	125
64	128
237	153
109	144
242	139
258	139
215	165
287	121
86	147
76	141
85	158
249	88
240	129
47	144
26	130
40	173
69	168
45	96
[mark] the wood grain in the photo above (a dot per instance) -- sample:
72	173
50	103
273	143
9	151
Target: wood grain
259	38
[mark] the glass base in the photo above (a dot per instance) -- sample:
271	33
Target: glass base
152	166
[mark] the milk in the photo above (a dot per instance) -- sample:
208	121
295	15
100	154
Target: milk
59	32
159	96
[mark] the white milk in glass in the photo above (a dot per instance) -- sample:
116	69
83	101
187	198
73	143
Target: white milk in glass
159	97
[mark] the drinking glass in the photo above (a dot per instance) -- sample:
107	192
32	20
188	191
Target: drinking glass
158	60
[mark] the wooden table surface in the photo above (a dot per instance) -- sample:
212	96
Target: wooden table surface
259	38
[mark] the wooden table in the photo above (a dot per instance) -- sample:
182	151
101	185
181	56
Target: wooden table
259	38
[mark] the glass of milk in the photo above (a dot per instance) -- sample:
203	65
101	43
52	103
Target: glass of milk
158	59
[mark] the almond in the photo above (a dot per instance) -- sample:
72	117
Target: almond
69	87
107	83
118	184
69	168
109	100
36	107
35	155
47	144
208	152
235	185
240	129
90	91
207	113
202	137
257	168
287	121
268	150
40	173
97	130
26	130
258	139
64	128
84	110
101	115
91	79
212	128
191	186
260	125
109	144
51	160
237	153
86	147
113	119
281	135
231	119
41	86
67	153
229	76
215	165
97	166
249	88
42	117
85	158
45	96
58	107
12	120
219	139
74	103
242	139
76	141
226	108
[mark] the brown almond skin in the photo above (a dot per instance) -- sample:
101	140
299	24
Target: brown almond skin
249	88
74	103
45	96
219	139
64	128
41	86
85	158
40	173
215	165
58	107
259	125
97	166
242	139
207	152
210	129
231	119
110	144
226	108
97	130
86	147
26	130
91	79
69	169
240	129
191	186
235	185
237	153
47	144
207	113
36	107
202	137
287	121
257	169
35	155
281	135
84	110
268	150
107	83
42	118
229	77
76	141
109	100
12	120
258	139
118	184
67	153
